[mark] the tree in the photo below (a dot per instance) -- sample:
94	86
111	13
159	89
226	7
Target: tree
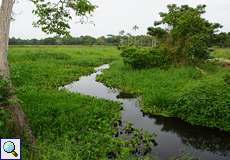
156	32
188	30
135	28
52	18
121	33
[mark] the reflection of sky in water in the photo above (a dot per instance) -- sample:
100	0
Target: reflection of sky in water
173	135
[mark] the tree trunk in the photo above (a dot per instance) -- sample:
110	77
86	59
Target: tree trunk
19	118
5	18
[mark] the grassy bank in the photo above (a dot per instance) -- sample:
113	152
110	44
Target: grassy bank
66	125
198	95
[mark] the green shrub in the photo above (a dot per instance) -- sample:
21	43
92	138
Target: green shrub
197	50
206	104
144	57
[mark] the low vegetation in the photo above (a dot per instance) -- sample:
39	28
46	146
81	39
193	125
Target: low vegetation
139	58
221	53
65	125
199	95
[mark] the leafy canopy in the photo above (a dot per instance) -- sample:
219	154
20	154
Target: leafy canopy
54	17
188	33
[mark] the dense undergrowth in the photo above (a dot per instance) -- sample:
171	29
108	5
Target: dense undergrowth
199	95
66	125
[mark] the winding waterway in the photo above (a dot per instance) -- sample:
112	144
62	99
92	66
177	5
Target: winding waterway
173	136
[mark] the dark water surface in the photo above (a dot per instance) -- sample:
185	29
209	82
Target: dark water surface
173	136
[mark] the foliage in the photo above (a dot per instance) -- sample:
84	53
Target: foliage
144	57
156	32
205	104
197	50
221	40
5	131
141	142
54	17
112	40
188	32
161	89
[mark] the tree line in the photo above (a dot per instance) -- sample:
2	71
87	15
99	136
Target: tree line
219	40
113	40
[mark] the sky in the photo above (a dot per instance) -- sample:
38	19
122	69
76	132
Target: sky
112	16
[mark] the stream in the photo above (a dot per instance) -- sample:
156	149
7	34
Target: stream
173	136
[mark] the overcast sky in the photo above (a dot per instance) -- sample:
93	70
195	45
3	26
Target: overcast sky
112	16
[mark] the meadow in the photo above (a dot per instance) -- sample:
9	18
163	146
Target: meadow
68	125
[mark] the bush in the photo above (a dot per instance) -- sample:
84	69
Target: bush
206	104
197	50
139	58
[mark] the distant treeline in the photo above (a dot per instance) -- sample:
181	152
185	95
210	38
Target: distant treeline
116	40
220	40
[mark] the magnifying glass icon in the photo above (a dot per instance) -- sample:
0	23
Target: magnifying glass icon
9	147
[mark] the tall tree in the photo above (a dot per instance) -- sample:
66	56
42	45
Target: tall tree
189	32
5	17
135	28
157	34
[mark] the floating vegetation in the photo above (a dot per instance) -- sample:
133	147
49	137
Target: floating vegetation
140	141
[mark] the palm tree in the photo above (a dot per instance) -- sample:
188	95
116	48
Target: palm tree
128	37
121	33
135	28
